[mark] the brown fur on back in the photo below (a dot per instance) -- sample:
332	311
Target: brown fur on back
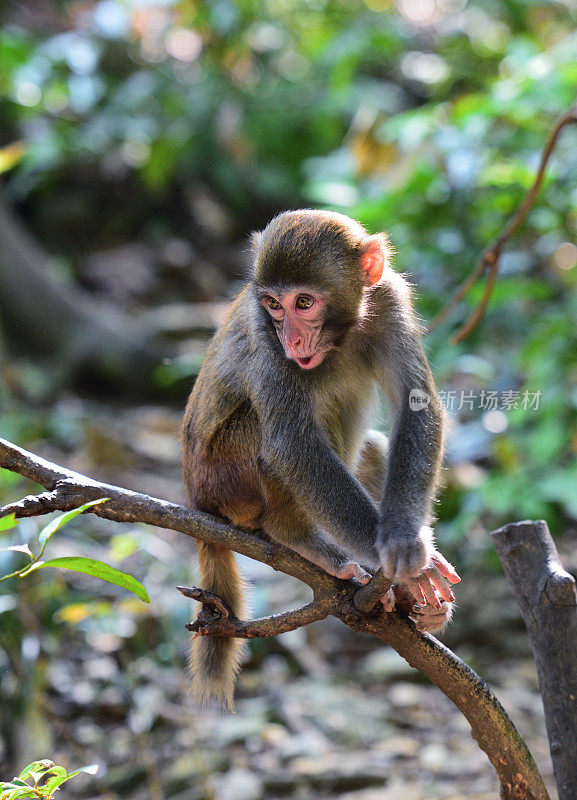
220	441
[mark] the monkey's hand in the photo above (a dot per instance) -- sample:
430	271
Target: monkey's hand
425	595
403	553
407	555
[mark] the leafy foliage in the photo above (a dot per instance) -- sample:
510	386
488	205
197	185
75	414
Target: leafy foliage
40	779
87	566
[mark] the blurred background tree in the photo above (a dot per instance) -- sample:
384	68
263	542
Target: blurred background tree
141	141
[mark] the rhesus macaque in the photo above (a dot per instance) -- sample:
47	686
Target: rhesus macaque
275	432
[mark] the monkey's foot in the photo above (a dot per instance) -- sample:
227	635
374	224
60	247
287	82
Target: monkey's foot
352	569
428	617
431	619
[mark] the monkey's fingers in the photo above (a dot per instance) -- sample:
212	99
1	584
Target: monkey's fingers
446	569
403	558
424	589
440	583
428	588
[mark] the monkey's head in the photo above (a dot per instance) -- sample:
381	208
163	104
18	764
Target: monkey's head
311	271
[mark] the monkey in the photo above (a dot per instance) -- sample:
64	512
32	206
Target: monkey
276	436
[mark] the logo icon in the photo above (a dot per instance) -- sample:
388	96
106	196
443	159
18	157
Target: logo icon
418	399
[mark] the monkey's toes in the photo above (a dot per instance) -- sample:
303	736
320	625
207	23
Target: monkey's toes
430	619
352	569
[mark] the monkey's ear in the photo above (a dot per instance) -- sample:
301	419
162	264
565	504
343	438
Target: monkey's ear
255	239
375	257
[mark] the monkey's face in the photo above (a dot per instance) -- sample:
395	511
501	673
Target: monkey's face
298	316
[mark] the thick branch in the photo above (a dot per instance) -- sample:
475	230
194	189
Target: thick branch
489	261
548	602
68	489
490	724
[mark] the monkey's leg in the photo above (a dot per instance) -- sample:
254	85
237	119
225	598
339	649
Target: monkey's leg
430	611
372	464
284	522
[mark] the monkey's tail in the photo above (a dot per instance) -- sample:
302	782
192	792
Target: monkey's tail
215	660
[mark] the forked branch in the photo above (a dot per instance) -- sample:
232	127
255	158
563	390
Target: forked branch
489	261
491	727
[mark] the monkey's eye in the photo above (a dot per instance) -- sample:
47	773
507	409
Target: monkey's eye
304	302
273	303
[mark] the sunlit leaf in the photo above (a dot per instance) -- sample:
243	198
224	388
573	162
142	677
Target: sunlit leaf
55	524
38	767
97	569
8	522
18	548
11	155
53	783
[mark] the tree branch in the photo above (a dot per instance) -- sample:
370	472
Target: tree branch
491	727
224	623
489	261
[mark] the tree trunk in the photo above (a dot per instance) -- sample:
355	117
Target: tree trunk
548	601
76	331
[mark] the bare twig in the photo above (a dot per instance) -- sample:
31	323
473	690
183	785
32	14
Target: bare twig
367	597
224	623
489	262
490	725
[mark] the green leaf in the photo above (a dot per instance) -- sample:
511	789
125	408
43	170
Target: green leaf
8	522
17	783
98	569
54	783
36	769
11	155
18	548
60	775
55	524
17	793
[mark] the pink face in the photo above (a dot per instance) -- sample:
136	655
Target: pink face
298	318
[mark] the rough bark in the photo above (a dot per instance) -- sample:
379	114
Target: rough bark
547	598
491	727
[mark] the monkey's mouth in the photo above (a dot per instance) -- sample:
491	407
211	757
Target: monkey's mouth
310	362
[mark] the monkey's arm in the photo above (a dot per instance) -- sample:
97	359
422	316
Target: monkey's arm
404	540
297	452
